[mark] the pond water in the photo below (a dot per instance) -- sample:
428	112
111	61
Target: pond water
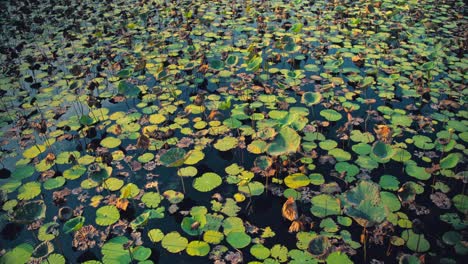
233	131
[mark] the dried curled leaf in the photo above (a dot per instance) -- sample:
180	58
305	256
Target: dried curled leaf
384	133
296	226
290	209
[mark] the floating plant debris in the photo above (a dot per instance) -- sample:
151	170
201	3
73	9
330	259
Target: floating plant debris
283	131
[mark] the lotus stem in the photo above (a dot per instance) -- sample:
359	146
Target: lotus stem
183	184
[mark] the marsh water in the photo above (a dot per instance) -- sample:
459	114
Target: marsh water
233	131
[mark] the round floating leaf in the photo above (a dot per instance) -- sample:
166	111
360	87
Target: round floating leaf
42	250
207	182
238	239
141	253
382	152
194	157
157	119
29	190
226	143
174	197
389	182
324	205
155	235
140	220
338	258
287	141
73	224
151	199
253	188
461	202
34	151
450	161
174	243
319	246
330	115
415	242
279	253
217	64
189	171
362	148
296	180
107	215
113	251
55	258
198	248
311	98
391	201
110	142
452	237
74	172
260	251
113	184
23	172
417	172
129	191
54	183
257	146
29	212
232	60
146	157
254	63
20	254
423	142
173	157
213	237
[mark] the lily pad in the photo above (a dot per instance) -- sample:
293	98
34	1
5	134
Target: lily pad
174	242
107	215
207	182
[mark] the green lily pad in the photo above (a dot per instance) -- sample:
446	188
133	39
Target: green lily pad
260	251
324	205
107	215
155	235
382	152
450	161
174	157
213	237
226	143
238	239
331	115
29	212
20	254
151	199
338	258
140	221
415	242
174	242
29	191
319	246
287	141
296	180
311	98
198	248
110	142
73	224
207	182
113	251
54	183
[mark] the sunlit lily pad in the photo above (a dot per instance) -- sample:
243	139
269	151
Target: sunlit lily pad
107	215
207	182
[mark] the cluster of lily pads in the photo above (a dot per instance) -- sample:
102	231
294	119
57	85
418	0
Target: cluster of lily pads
156	131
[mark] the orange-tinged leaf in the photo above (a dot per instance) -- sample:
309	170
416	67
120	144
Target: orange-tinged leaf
290	209
122	203
295	226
